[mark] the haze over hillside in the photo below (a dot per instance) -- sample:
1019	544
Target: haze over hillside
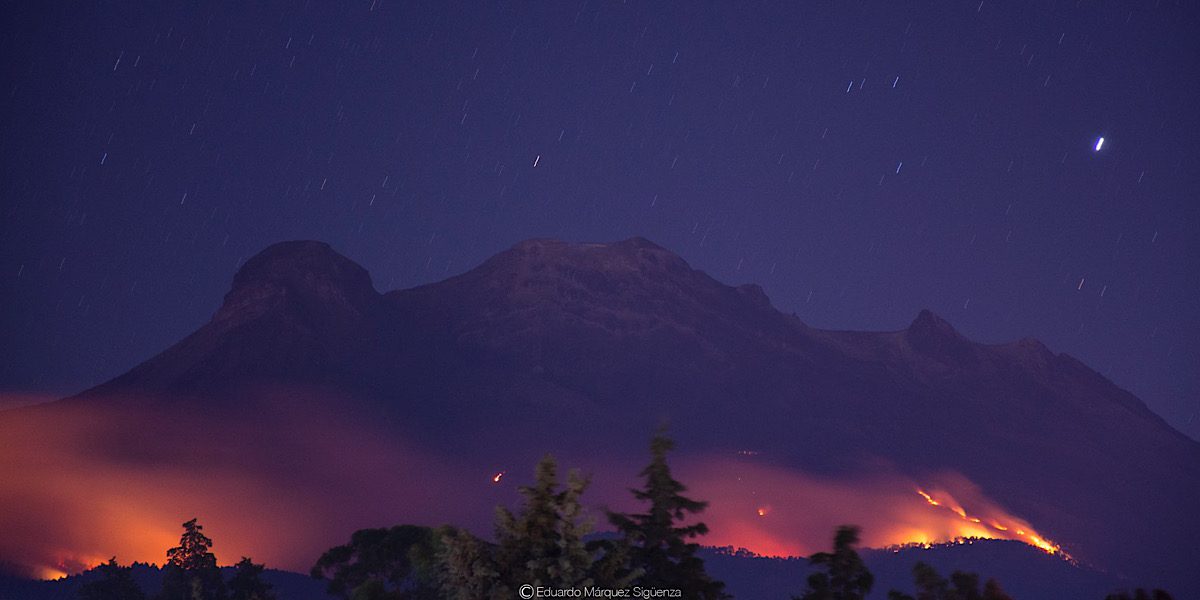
581	349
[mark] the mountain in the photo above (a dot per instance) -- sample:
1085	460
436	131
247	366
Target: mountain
582	348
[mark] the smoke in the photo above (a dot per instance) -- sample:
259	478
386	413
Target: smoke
16	400
280	481
776	511
291	473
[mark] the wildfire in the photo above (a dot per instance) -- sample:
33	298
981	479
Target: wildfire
997	529
67	563
50	573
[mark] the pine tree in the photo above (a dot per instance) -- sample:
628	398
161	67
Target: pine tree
468	569
541	545
612	569
116	583
842	574
397	562
247	583
191	571
658	545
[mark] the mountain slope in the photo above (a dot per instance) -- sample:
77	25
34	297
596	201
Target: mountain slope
553	345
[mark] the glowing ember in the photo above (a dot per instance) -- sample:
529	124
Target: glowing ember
762	512
498	477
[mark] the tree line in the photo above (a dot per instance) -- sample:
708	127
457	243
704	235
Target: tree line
190	573
546	543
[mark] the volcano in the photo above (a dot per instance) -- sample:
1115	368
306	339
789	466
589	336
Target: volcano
581	349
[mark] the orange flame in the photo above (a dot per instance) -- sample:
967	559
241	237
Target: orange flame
805	508
1000	531
50	573
72	502
100	502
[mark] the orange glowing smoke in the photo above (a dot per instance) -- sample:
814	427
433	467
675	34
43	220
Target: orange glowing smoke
1024	533
805	509
292	474
68	565
282	482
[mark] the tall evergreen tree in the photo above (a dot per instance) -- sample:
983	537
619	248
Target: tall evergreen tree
116	583
842	574
191	571
247	583
541	545
396	562
469	569
658	542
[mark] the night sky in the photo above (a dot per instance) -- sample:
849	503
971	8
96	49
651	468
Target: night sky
860	160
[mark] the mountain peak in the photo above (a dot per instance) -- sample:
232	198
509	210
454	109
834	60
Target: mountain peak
538	261
306	271
548	289
931	335
929	323
631	250
297	261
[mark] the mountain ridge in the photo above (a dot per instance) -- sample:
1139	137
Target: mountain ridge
591	336
308	272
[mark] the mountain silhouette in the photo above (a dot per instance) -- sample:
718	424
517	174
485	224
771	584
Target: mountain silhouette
564	345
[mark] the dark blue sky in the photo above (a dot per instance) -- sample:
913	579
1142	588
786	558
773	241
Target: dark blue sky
860	160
